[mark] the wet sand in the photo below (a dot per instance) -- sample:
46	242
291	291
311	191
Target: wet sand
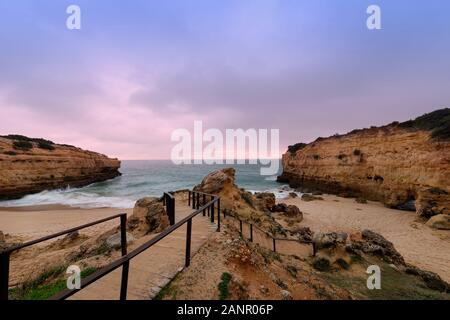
420	245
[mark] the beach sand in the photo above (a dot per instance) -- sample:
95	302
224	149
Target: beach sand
420	245
27	223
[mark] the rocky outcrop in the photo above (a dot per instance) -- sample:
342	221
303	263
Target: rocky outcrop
334	250
403	165
32	165
149	216
238	202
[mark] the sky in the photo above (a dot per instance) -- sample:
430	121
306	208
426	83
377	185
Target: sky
138	70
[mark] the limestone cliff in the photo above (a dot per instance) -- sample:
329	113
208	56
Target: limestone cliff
400	164
30	165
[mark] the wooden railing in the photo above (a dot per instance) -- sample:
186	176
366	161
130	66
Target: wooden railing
197	198
5	255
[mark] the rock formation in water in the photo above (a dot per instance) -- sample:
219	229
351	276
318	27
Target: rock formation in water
30	165
404	165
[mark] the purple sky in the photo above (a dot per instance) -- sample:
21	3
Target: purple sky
140	69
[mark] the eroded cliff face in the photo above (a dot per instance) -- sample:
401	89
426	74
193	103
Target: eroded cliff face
45	166
394	164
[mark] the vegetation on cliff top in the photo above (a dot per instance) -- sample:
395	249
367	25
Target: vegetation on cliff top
438	122
26	143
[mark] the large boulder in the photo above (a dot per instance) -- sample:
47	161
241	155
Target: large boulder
218	181
433	201
372	243
149	216
238	202
2	237
441	221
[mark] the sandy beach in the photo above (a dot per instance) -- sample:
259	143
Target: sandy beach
420	245
27	223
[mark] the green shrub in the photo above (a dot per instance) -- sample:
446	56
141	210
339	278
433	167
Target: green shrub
357	152
45	145
22	145
299	146
42	288
10	153
223	286
19	137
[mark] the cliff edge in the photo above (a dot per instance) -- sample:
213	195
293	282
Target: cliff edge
29	165
404	165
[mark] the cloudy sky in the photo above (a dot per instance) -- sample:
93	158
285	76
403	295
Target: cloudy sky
137	70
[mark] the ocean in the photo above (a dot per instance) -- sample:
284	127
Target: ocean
148	178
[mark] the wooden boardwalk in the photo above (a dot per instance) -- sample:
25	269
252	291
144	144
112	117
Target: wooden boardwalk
154	268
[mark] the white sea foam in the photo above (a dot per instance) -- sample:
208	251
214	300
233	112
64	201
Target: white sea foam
70	197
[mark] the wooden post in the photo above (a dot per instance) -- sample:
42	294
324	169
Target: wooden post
251	232
240	226
189	197
126	266
212	212
4	275
204	202
188	243
218	215
198	201
274	246
193	200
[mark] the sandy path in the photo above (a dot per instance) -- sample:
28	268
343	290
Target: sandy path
34	222
420	245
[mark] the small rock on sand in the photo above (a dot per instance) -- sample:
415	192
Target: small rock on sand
441	221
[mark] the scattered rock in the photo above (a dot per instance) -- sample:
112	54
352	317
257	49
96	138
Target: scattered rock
293	195
303	234
293	212
263	290
441	222
432	280
308	197
286	295
115	241
361	200
343	264
322	264
329	240
375	244
266	200
2	237
280	207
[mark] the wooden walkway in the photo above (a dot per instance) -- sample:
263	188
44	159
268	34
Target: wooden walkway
154	268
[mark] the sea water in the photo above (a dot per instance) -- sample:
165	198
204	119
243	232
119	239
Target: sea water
148	178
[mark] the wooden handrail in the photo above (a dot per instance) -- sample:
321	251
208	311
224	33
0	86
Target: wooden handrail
124	260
